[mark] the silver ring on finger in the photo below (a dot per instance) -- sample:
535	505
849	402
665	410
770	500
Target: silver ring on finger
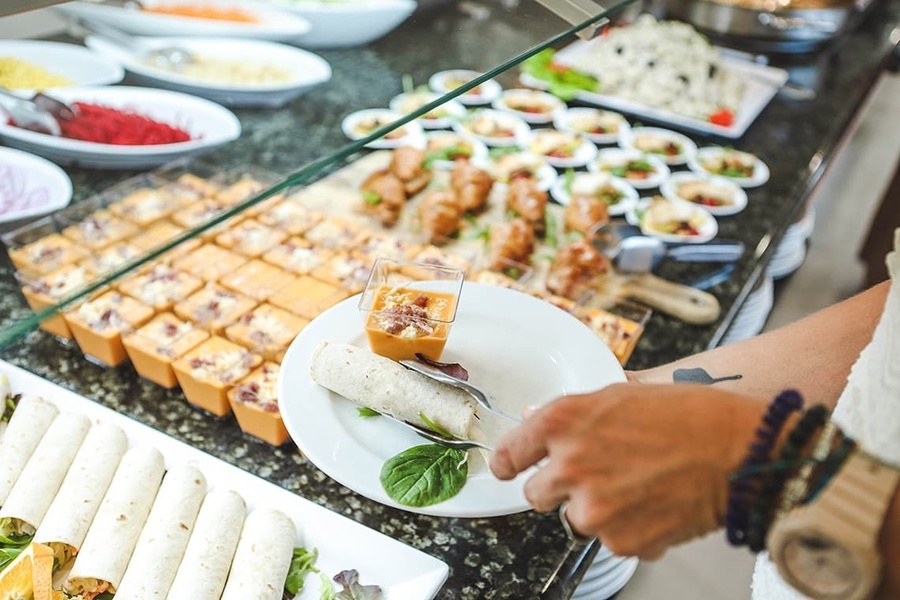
567	527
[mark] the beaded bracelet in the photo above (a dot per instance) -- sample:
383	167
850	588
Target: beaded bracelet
760	517
795	490
743	489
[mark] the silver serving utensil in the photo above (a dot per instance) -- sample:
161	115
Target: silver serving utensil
173	58
441	440
41	113
480	396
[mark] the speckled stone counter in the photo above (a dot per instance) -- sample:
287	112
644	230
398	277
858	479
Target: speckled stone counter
504	557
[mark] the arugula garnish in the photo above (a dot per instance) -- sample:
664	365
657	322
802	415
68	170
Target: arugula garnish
365	411
562	81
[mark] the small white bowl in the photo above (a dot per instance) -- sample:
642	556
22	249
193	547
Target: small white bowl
737	201
81	66
545	174
479	150
631	138
568	120
447	81
520	131
407	103
707	228
209	124
412	132
31	186
760	169
348	24
306	69
561	193
583	154
551	105
618	157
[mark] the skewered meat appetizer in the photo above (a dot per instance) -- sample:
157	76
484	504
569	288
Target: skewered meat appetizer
408	164
384	196
440	215
471	185
576	269
585	214
511	242
527	201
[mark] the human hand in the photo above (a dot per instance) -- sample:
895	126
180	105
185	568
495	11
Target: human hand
642	467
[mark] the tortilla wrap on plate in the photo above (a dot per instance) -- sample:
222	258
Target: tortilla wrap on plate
113	534
40	480
263	557
26	428
387	387
160	548
207	558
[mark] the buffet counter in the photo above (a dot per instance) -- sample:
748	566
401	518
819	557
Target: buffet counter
510	556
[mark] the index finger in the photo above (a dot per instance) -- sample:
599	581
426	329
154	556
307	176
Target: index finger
520	448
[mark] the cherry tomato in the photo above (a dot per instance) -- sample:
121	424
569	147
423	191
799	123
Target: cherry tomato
723	117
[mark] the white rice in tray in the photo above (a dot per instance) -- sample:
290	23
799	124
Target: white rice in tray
662	64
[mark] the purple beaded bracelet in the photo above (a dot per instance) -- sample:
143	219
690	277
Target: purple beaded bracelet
740	497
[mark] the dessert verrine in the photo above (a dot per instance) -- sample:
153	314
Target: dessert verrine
50	289
160	286
97	325
344	270
214	307
209	262
267	330
298	255
257	279
45	254
338	234
111	258
99	230
250	238
290	216
307	296
254	401
153	346
208	371
146	205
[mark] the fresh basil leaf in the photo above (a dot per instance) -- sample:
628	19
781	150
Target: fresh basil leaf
365	411
303	562
353	589
424	475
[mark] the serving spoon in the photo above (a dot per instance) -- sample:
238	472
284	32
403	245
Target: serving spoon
40	113
173	58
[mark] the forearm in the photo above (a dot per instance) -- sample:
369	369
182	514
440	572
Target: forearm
813	355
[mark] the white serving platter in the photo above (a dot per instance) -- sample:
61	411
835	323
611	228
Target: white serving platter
208	123
403	573
76	63
762	83
306	69
273	24
30	186
347	23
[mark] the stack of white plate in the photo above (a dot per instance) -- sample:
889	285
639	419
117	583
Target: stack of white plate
605	577
791	252
752	316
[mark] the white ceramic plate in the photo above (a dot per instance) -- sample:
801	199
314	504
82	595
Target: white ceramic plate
30	186
487	92
629	194
553	105
620	156
75	63
584	153
208	123
412	132
409	103
272	23
521	130
479	150
306	69
738	196
708	228
606	587
401	571
564	122
522	349
687	147
348	23
761	84
760	169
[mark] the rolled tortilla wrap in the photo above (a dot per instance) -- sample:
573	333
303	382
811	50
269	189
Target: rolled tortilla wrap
114	532
263	557
160	548
26	428
387	387
207	558
67	520
37	486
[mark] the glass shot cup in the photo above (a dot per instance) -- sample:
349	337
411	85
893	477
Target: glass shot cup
409	308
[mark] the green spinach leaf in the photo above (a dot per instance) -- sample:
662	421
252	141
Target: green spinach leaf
424	475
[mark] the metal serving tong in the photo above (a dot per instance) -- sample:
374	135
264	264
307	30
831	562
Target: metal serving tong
40	113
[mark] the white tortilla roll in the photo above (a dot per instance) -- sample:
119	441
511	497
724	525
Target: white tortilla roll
387	387
114	532
207	558
5	392
43	475
160	548
263	557
67	520
26	428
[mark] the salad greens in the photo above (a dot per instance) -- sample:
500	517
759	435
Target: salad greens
424	475
562	81
11	547
303	562
353	589
365	411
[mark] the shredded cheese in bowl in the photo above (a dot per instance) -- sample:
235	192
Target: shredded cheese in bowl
18	74
238	73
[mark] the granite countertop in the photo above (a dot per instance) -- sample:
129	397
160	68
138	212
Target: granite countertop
501	557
